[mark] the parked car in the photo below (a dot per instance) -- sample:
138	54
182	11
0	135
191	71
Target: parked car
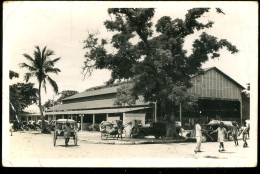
31	124
39	123
207	129
157	130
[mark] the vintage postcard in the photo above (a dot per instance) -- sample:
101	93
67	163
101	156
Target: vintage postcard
130	84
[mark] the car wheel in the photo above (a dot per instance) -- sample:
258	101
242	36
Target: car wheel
141	135
156	136
230	137
204	138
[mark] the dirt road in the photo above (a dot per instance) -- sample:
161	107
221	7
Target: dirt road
35	146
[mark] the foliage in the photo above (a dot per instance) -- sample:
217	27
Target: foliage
49	104
13	74
23	95
64	94
40	66
157	66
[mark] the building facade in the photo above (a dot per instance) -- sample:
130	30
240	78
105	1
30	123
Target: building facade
219	97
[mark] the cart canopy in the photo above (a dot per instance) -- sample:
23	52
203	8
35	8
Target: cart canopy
65	121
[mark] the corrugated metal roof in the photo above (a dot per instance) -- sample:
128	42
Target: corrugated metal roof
105	103
106	90
99	111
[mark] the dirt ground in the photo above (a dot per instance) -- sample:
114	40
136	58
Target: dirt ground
36	146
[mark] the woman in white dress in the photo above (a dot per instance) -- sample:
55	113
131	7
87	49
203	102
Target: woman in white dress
221	136
198	135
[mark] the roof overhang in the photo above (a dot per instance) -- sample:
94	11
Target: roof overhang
97	111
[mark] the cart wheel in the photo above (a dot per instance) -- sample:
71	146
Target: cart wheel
124	133
75	139
102	135
54	138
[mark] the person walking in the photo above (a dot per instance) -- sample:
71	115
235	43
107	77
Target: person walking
198	135
244	131
221	136
11	128
67	131
78	125
235	131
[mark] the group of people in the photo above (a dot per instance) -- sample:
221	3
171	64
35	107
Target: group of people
222	132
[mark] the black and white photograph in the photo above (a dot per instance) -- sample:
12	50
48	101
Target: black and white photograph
130	84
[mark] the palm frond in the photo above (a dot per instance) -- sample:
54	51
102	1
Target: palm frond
49	53
37	53
27	76
27	56
55	60
43	54
24	65
53	84
51	62
52	70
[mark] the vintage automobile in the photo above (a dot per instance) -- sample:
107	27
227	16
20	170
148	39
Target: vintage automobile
58	132
156	129
207	129
32	124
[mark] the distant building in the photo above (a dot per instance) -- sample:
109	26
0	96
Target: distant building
219	98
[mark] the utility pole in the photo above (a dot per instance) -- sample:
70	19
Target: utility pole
180	112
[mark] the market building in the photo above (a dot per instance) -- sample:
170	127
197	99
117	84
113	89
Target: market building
219	97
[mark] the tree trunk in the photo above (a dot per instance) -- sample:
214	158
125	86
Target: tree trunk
40	107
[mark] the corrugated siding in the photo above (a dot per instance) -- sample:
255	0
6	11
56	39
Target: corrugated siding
214	85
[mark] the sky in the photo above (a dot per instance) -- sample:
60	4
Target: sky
62	27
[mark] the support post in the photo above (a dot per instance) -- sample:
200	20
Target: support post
27	119
62	116
241	109
81	122
93	119
155	111
106	117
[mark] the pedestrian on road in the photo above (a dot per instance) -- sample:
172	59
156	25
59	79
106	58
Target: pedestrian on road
244	131
78	124
11	128
221	136
198	135
235	131
67	131
248	126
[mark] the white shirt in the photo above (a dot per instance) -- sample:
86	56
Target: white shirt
198	130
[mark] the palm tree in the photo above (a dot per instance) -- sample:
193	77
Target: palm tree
40	66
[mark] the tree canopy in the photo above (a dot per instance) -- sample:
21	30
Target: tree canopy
157	66
13	74
23	95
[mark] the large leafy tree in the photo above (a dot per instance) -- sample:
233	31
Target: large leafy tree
157	66
40	66
22	95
